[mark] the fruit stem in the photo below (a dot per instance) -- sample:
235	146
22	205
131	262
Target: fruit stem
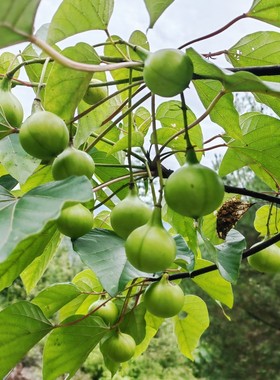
156	219
142	52
129	131
5	84
37	105
41	81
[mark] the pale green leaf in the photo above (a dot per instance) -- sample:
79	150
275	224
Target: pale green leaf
137	140
138	38
142	120
86	281
22	325
190	324
76	16
42	174
267	220
68	347
8	61
266	10
78	305
214	284
16	20
155	9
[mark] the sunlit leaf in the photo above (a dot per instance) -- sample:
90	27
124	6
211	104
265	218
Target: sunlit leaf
155	9
266	10
267	220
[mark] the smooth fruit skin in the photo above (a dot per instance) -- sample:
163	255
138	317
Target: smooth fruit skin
194	190
75	221
150	248
94	95
129	214
267	260
108	312
167	72
119	347
164	299
11	107
72	162
44	135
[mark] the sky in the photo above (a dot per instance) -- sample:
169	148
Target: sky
183	21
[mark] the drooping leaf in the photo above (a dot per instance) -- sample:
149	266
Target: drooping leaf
68	346
229	255
65	87
190	324
76	16
266	10
155	9
22	325
134	323
267	220
16	20
213	283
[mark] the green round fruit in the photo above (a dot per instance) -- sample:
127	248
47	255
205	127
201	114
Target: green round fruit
44	135
194	190
72	162
108	312
163	298
150	248
267	260
129	214
167	72
75	221
94	95
119	347
11	107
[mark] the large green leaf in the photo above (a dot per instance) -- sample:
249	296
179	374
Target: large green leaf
22	325
66	87
190	324
68	346
266	10
27	224
103	252
16	20
229	255
155	9
76	16
214	284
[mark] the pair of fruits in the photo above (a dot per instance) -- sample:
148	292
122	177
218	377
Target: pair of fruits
266	260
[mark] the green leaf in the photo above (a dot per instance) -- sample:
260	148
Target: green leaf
229	255
52	298
140	39
16	20
87	281
22	325
79	306
184	257
213	283
137	139
68	346
43	174
266	10
103	252
8	182
155	9
142	120
66	87
8	61
76	16
27	224
15	160
190	324
134	323
33	273
267	220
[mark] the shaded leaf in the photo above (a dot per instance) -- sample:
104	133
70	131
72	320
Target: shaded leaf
134	323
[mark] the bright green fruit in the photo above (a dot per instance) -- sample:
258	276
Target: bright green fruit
267	260
44	135
163	298
119	347
150	248
11	107
167	72
194	190
95	94
129	214
108	312
75	221
72	162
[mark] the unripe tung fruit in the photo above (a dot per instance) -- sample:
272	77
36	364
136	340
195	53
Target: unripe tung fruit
94	95
75	221
72	162
119	347
11	108
150	248
167	72
266	260
44	135
163	298
129	214
194	190
108	312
